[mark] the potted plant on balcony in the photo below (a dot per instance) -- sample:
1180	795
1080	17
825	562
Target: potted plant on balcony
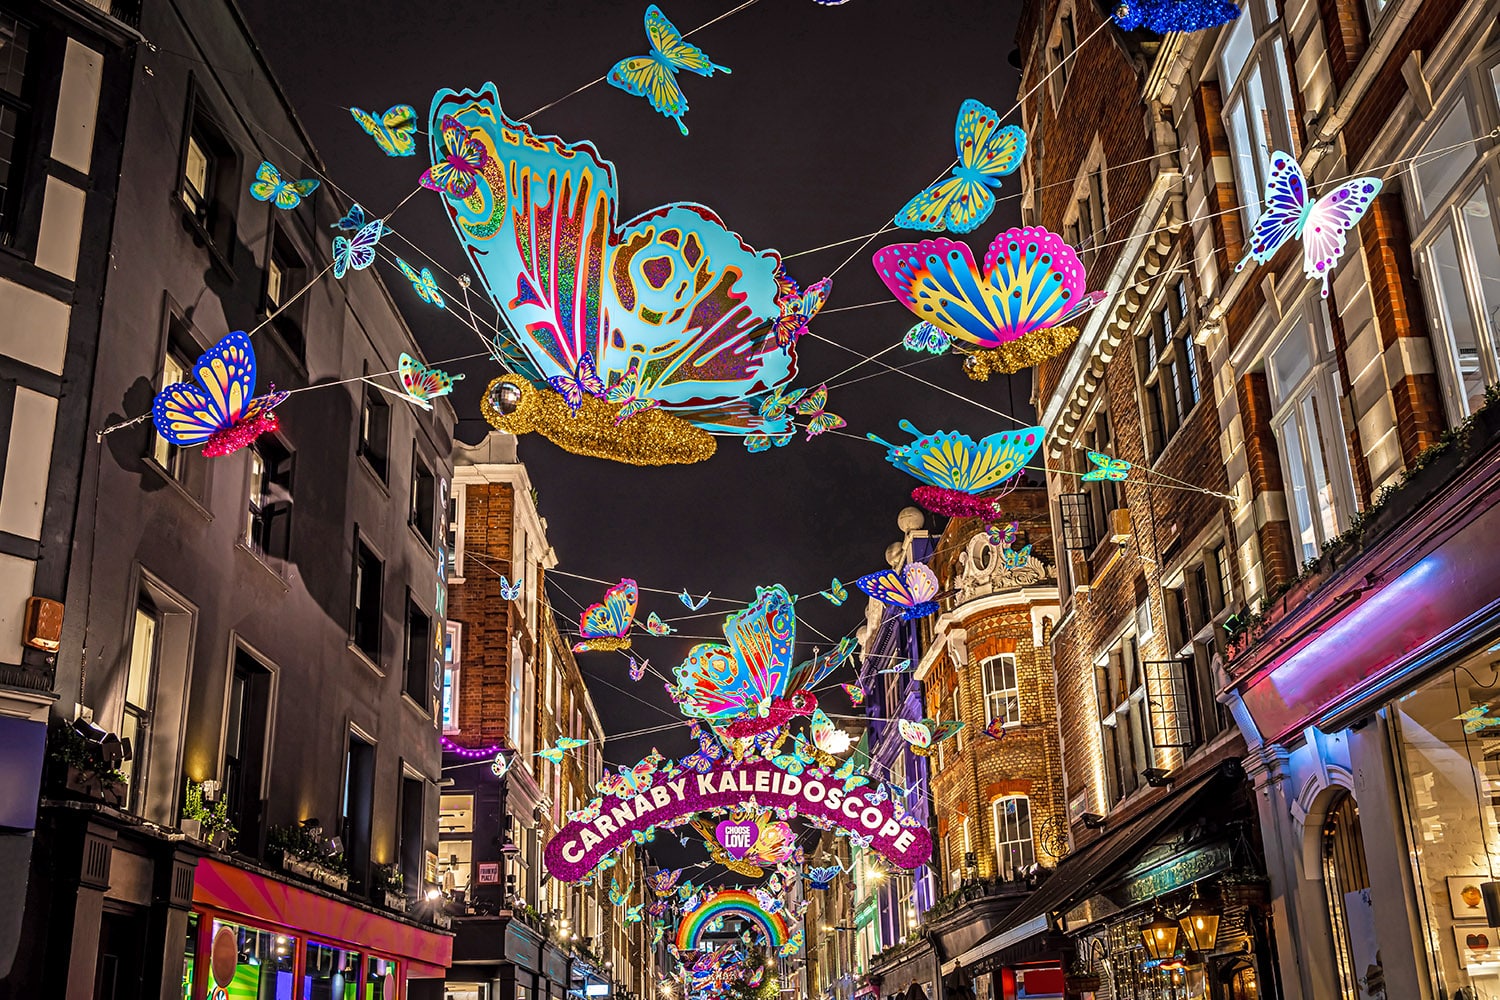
387	882
84	766
210	824
302	850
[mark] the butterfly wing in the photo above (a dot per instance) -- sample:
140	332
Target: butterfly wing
1330	217
667	40
1284	211
267	183
187	415
946	729
353	220
720	682
887	587
917	735
650	78
611	617
394	131
984	145
291	194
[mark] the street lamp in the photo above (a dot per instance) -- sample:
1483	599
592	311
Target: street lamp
1200	924
1160	936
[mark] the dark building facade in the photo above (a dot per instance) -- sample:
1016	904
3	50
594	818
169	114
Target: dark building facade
264	630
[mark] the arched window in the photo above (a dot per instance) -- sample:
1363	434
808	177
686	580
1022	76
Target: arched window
1346	883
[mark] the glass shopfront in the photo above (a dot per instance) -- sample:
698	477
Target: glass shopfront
1447	734
243	962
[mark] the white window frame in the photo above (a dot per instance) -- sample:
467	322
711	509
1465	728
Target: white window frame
453	639
1477	88
1265	60
1314	394
992	693
1008	839
456	526
1068	61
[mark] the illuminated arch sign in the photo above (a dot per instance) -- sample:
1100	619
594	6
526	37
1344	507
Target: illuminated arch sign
579	846
731	903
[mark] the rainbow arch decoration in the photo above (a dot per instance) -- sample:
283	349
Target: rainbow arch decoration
731	902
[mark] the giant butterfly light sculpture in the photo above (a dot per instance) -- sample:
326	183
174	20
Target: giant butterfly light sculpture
750	686
671	300
1291	211
956	469
912	590
221	411
606	625
1016	309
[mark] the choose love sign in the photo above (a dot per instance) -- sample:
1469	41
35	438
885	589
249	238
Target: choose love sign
579	846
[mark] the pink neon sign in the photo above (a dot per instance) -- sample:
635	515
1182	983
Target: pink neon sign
579	846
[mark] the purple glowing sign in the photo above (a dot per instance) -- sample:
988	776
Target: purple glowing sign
578	847
737	838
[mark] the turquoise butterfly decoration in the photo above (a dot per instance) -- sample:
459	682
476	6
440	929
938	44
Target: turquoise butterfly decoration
654	76
268	186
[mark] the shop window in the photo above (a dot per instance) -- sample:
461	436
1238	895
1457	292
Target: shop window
264	962
382	981
15	118
1457	199
1169	369
1123	727
1446	739
375	430
423	516
455	844
1014	848
329	972
245	747
452	661
140	698
418	658
1259	114
1309	433
268	520
186	465
1002	692
1346	886
365	617
357	806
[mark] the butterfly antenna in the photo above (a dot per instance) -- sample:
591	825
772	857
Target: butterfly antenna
910	428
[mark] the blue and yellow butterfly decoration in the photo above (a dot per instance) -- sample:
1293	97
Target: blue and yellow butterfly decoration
987	151
284	194
423	283
1105	467
394	131
219	410
654	76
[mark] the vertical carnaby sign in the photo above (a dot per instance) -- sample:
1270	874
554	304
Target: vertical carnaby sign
579	846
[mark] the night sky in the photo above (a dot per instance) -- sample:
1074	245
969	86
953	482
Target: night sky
831	119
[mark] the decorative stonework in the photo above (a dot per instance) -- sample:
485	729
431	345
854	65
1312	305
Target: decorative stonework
982	570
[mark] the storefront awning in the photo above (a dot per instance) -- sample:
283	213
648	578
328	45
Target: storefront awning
238	892
1080	873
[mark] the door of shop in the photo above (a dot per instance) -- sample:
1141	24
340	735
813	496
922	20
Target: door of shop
122	942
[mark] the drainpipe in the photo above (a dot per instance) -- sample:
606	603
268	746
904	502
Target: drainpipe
1391	29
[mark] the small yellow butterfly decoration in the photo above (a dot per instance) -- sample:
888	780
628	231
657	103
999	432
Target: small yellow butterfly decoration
425	284
394	130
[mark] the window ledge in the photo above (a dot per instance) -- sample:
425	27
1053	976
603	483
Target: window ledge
364	658
415	706
202	237
176	485
260	560
426	542
364	461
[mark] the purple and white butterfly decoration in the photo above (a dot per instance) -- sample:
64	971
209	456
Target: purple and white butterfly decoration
1290	211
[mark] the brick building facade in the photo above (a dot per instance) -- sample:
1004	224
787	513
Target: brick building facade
511	686
1288	585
